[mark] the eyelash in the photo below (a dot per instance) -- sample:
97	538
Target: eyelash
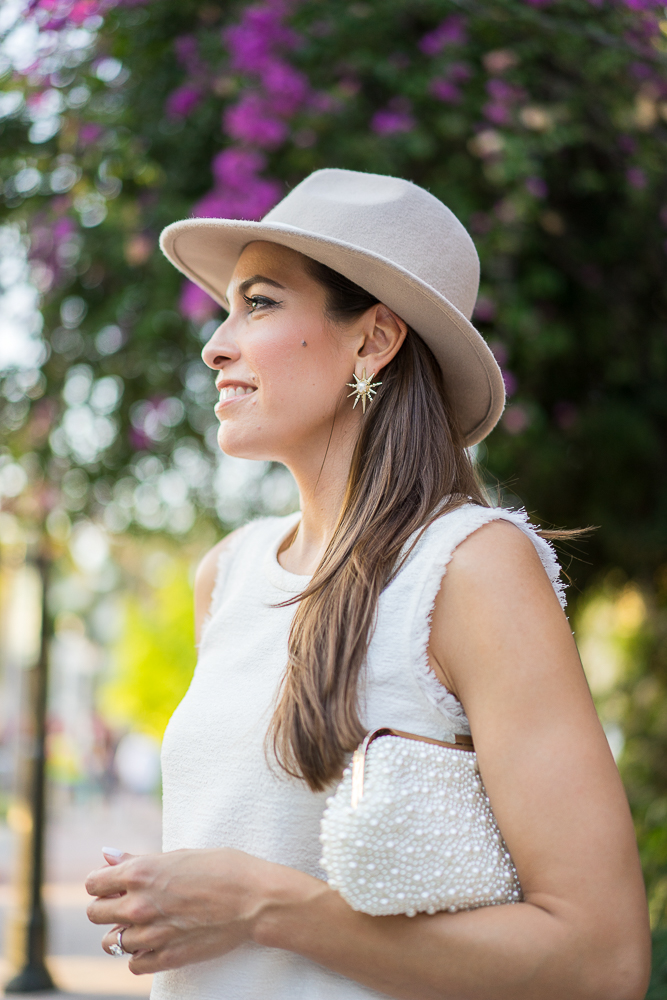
258	301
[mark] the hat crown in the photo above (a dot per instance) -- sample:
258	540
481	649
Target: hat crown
390	217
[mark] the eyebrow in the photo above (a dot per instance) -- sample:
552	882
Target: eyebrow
257	279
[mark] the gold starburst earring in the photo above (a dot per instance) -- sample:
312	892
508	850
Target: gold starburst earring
363	388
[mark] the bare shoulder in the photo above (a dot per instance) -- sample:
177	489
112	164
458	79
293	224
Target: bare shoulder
205	578
497	547
497	590
495	567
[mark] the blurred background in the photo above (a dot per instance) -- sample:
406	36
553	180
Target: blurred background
541	123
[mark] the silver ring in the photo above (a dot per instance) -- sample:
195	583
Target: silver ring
117	949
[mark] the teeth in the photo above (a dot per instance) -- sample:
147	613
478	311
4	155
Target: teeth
229	391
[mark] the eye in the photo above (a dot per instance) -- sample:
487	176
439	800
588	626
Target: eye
256	302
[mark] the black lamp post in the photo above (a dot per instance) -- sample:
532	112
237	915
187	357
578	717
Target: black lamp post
34	976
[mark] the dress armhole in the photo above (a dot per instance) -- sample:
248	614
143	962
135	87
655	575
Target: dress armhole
448	533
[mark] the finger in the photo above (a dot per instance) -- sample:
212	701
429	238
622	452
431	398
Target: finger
114	855
109	880
134	940
111	911
129	946
111	938
146	961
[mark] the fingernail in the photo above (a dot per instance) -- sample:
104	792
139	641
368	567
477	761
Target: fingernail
112	852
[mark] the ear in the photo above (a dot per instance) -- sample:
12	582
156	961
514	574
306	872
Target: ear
383	335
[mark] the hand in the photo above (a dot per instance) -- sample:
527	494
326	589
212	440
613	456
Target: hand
180	907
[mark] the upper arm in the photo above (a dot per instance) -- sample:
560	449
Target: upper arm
205	578
501	642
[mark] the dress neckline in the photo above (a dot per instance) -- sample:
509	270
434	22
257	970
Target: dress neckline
281	578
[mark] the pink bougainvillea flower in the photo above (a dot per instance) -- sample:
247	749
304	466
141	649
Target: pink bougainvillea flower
501	90
195	304
497	113
459	72
237	168
287	88
643	4
138	440
485	312
82	10
503	95
89	133
452	31
445	87
63	228
187	54
263	195
386	122
323	103
516	419
34	100
252	121
627	143
259	119
259	35
510	380
640	70
250	52
41	241
636	177
182	101
537	187
445	91
239	192
253	203
499	351
215	204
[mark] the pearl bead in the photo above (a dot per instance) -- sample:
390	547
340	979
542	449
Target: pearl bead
445	851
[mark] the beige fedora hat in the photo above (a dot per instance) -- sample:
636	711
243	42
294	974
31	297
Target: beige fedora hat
392	238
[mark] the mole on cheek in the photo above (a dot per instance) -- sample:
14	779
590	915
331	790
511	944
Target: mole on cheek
304	344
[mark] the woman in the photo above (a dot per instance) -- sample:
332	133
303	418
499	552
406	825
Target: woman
396	597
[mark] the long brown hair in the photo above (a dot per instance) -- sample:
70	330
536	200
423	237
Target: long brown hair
409	466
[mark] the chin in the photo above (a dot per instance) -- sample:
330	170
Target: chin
234	443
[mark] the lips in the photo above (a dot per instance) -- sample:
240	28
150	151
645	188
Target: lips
230	391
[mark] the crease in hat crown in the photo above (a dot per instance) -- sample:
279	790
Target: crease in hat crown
391	237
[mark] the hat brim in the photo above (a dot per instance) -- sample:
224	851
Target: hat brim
207	250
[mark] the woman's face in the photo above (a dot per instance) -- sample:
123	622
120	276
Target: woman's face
282	365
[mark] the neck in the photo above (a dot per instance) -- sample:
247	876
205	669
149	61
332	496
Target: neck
321	473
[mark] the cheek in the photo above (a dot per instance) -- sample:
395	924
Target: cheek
288	370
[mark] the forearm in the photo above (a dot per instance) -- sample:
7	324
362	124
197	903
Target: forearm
519	952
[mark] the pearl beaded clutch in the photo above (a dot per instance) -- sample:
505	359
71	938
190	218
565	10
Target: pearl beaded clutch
410	829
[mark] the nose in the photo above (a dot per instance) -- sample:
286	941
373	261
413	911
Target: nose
220	349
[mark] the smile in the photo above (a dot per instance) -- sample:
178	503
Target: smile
229	392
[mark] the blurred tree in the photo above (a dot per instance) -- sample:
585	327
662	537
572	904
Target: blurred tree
542	123
153	660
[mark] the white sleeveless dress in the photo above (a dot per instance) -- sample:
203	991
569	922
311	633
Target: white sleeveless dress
218	787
